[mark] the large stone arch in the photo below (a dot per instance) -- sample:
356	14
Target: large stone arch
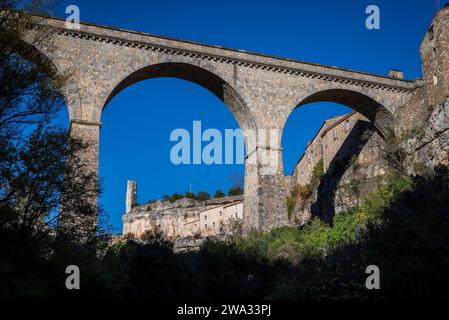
224	92
190	72
46	63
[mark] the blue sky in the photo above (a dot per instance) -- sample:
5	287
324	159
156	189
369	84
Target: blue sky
137	123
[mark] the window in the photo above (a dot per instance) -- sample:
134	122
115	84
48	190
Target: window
221	213
347	125
205	217
213	224
205	225
236	215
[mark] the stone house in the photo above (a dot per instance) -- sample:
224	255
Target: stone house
337	139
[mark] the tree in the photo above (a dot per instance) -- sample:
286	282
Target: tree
190	195
237	185
46	190
42	187
219	194
175	196
235	191
29	85
203	196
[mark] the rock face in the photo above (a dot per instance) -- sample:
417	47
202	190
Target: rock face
188	244
183	218
431	147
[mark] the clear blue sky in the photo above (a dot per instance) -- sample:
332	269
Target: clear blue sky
137	123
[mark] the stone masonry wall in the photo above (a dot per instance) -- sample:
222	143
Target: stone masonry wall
183	218
346	145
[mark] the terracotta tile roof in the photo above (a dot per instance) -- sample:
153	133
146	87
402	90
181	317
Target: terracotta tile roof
336	123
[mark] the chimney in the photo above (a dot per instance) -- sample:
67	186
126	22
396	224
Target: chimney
396	74
131	195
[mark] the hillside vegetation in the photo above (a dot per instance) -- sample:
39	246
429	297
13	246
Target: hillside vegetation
401	228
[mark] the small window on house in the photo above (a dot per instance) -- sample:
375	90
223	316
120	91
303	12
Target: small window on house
236	215
205	225
213	224
221	213
205	217
348	126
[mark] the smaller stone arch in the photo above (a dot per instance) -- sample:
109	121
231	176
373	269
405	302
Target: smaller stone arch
379	115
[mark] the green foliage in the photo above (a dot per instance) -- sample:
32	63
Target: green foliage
290	205
219	194
200	196
203	196
405	233
318	172
175	196
301	193
377	201
353	162
317	238
190	195
235	191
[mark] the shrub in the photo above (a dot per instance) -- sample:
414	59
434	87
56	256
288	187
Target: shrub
290	206
377	201
318	172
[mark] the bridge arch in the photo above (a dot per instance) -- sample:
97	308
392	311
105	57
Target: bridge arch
198	75
208	78
47	64
377	114
372	109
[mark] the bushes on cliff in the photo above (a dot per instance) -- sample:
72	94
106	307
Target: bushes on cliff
301	193
402	229
317	240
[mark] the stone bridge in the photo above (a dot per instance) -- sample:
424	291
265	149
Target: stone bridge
260	90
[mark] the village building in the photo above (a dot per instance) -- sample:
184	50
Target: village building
182	218
338	138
